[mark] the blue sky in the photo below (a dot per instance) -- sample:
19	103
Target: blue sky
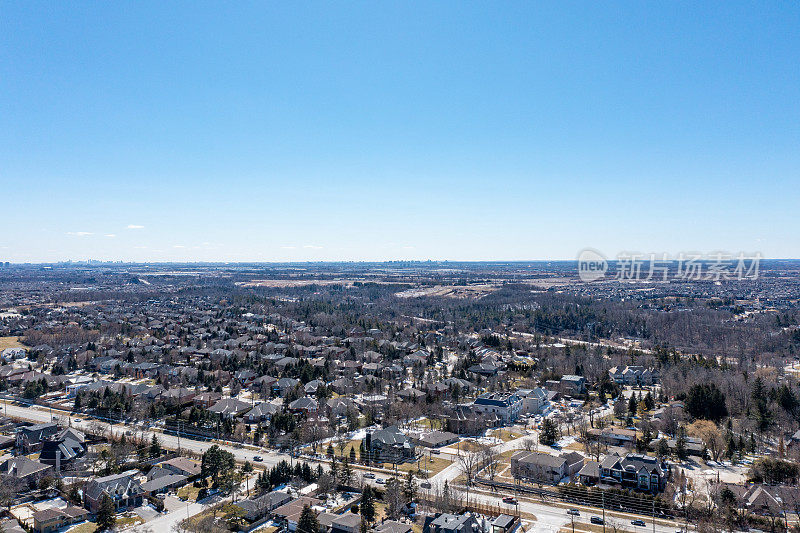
397	130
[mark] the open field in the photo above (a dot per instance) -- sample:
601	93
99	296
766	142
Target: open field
188	492
10	342
451	291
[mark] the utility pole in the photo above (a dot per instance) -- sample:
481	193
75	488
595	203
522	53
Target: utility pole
654	515
603	498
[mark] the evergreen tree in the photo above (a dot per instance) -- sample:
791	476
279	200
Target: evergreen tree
346	473
107	514
410	487
308	522
155	447
368	504
632	405
549	432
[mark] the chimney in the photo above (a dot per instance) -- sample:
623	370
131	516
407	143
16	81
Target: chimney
58	462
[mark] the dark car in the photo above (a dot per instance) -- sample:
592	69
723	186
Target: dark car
596	520
509	499
258	458
638	522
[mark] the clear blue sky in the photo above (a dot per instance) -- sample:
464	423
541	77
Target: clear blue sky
397	130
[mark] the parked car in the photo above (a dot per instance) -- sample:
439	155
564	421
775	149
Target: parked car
574	512
380	481
596	520
510	499
258	458
425	485
435	452
638	522
369	475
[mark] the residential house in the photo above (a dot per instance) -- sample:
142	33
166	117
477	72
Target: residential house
25	469
183	466
543	467
451	523
29	438
257	508
53	519
288	514
506	405
389	445
230	407
261	412
634	375
346	523
305	405
63	448
206	399
124	490
639	472
572	385
436	439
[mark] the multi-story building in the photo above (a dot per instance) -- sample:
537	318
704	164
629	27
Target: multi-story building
124	490
506	405
639	472
389	445
634	375
543	467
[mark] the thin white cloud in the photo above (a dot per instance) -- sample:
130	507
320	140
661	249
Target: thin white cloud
178	246
79	233
288	247
110	235
312	247
135	226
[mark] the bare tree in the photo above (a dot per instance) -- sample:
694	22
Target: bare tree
489	460
470	462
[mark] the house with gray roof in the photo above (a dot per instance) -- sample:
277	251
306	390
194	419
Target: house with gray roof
389	445
124	489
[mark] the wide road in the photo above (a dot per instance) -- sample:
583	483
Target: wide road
550	517
41	414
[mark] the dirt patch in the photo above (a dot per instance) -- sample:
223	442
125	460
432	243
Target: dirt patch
10	342
451	291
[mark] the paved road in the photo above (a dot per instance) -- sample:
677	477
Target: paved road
41	414
549	517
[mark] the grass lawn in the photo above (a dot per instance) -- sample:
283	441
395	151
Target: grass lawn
188	492
506	435
10	342
268	529
380	511
466	446
128	521
84	527
427	423
355	444
434	466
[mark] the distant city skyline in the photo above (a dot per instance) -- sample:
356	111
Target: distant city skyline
397	131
